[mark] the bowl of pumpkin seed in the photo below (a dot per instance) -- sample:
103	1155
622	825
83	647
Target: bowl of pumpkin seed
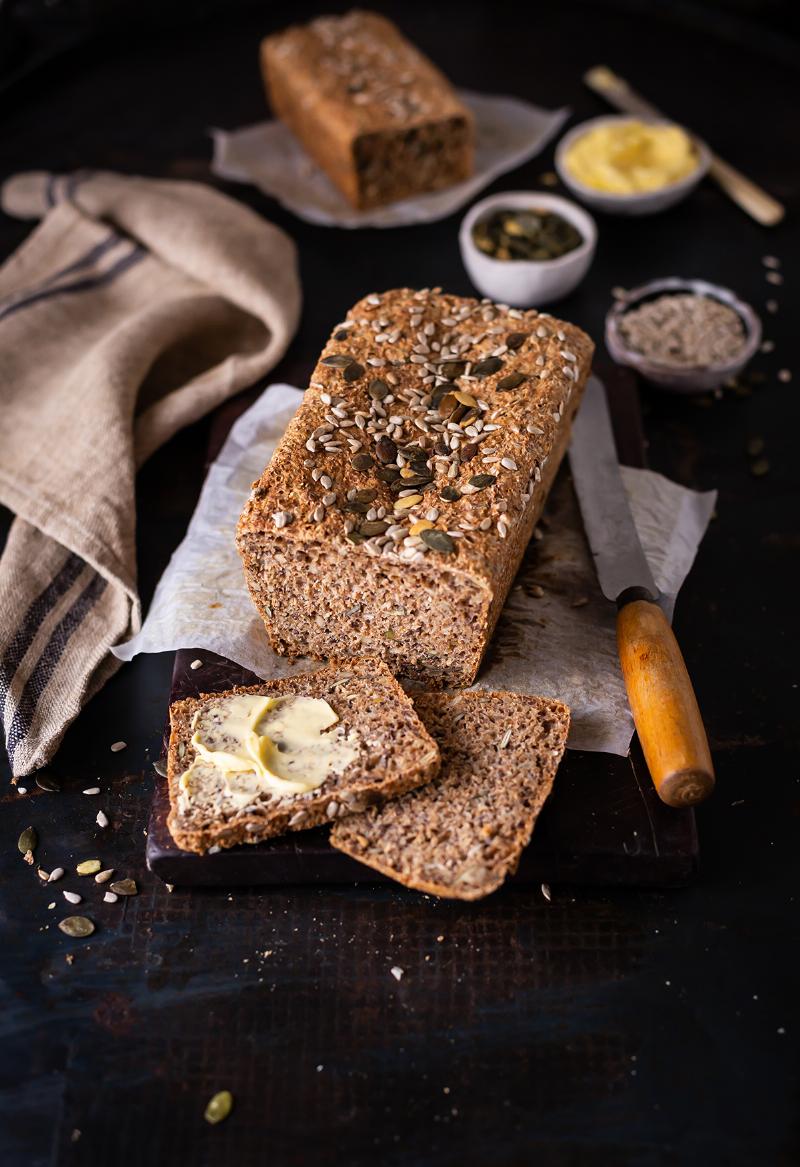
527	248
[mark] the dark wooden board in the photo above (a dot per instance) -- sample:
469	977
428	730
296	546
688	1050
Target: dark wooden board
604	823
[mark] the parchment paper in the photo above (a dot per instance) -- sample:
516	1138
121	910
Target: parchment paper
508	133
561	644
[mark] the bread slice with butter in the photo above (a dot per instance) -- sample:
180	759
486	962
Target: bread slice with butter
463	834
255	762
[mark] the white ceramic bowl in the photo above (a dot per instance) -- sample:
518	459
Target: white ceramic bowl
527	283
666	377
645	203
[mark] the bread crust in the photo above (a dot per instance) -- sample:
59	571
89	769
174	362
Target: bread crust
373	112
310	479
397	754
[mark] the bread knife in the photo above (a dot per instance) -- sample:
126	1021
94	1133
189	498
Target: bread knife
752	199
660	693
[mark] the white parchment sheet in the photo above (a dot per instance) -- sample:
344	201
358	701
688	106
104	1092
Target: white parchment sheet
558	644
507	133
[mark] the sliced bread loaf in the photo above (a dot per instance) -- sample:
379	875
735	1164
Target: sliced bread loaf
463	834
388	752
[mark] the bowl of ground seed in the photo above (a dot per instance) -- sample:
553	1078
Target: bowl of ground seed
686	335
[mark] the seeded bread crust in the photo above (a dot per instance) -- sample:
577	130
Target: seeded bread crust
396	754
374	113
329	559
463	834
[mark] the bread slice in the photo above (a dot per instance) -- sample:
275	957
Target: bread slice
395	755
463	834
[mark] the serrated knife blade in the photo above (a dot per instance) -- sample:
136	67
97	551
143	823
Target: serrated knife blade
610	530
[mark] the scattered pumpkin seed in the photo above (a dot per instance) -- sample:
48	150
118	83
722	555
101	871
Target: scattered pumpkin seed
385	450
387	474
125	887
219	1107
89	867
465	398
27	841
510	381
45	782
160	767
438	541
362	461
486	367
452	369
76	926
355	537
410	500
481	481
516	340
341	334
337	361
353	371
420	526
378	389
449	494
373	527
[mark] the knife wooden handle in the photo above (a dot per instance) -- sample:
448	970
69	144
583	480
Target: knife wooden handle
663	704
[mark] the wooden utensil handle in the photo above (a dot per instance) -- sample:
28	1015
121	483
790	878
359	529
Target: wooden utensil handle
663	704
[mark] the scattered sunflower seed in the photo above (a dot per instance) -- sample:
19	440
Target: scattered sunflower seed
196	664
93	789
110	897
89	867
546	892
117	746
219	1107
77	926
27	841
104	876
397	972
125	887
506	738
72	897
55	874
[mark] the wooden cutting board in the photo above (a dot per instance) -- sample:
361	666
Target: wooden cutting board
603	825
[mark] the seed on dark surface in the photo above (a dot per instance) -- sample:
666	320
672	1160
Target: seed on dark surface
160	768
219	1107
387	473
510	381
89	867
452	369
378	389
353	371
338	361
385	450
45	782
438	541
27	840
76	926
449	494
373	527
362	461
760	467
481	481
516	339
525	234
486	367
125	887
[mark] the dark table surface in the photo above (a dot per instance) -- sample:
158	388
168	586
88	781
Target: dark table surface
600	1028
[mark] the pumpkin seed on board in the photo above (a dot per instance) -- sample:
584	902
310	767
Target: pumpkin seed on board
27	840
125	887
438	541
219	1107
89	867
76	926
45	782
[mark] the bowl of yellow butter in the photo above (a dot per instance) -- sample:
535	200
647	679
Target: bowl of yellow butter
630	166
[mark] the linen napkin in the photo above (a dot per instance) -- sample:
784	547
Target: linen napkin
135	307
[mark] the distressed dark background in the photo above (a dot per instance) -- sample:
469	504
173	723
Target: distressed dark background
623	1028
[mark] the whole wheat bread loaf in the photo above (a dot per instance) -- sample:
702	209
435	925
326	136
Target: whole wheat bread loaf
462	834
395	754
398	505
373	112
